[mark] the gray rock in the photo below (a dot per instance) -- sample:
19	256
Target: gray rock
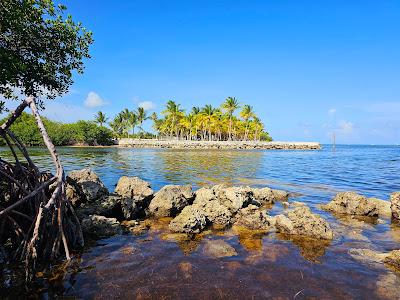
301	221
84	186
134	188
353	204
100	226
170	200
215	213
234	198
190	220
218	249
252	217
382	206
395	205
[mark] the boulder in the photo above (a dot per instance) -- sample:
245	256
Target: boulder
395	205
170	200
252	217
393	259
100	226
190	220
301	221
264	195
84	186
218	249
215	213
353	204
382	206
134	188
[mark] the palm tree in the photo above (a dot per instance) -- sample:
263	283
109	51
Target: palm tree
100	118
173	114
247	113
141	117
130	120
117	125
230	105
208	114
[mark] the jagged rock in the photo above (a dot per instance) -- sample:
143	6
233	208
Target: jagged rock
218	249
170	200
353	204
382	206
134	188
84	186
267	195
301	221
215	213
234	198
393	259
190	220
100	226
395	205
252	217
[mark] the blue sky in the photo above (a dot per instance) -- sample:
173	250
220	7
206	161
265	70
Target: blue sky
307	67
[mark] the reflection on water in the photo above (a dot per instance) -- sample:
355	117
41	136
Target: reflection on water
153	263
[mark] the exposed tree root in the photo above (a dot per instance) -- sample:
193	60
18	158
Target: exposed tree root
37	222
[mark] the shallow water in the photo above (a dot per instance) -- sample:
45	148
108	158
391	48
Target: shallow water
157	264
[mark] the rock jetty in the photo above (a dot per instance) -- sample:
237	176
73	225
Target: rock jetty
181	144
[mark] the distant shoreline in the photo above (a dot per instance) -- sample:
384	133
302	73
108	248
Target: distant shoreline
184	144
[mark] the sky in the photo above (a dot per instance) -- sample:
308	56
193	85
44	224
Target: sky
309	68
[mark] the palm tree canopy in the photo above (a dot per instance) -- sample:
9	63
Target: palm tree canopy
100	118
230	105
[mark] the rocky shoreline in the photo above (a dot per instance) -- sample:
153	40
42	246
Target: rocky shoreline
133	203
180	144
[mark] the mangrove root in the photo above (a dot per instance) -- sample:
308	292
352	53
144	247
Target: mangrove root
37	222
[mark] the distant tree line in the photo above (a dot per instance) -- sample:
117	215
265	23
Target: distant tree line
62	134
207	124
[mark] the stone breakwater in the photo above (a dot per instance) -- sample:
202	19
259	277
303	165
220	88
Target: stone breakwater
134	204
179	144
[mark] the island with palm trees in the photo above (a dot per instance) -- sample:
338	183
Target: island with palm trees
205	127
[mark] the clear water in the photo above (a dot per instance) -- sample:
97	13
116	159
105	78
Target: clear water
157	264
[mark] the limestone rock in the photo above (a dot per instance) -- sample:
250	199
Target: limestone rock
100	226
218	249
252	217
353	204
84	186
393	259
134	188
215	213
170	200
301	221
395	205
190	220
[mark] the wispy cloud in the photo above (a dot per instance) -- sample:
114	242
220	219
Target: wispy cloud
345	127
147	105
94	100
332	111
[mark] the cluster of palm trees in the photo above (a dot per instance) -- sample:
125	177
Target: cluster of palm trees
206	123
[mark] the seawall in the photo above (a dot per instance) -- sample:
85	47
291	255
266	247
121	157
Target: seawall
182	144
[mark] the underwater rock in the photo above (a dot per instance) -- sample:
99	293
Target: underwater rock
393	259
190	220
395	205
84	186
301	221
354	204
252	217
100	226
170	200
218	249
367	255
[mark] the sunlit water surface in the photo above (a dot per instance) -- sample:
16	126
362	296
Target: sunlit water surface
158	264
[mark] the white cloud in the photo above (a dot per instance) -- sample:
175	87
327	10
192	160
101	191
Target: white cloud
345	127
332	111
65	112
147	105
94	100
